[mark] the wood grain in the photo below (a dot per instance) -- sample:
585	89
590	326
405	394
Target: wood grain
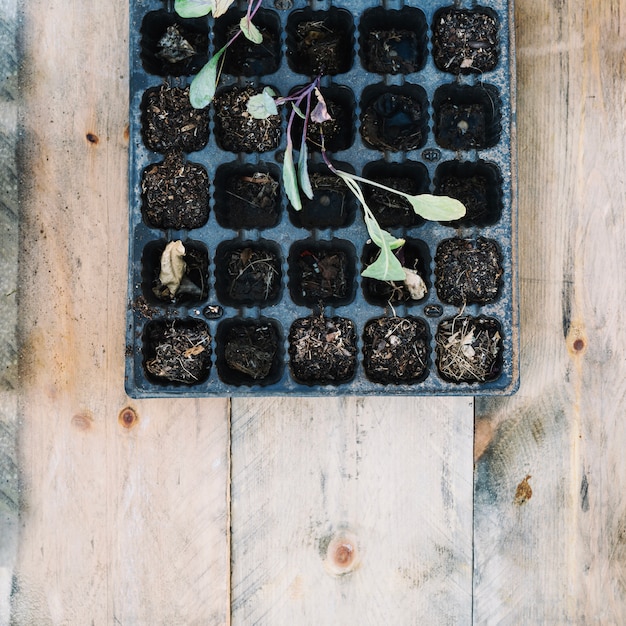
351	511
123	513
558	555
8	302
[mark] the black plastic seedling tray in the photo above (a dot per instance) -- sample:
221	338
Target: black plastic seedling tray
467	132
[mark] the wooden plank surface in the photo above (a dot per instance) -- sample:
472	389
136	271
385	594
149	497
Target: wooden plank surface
123	512
129	525
352	511
8	302
550	526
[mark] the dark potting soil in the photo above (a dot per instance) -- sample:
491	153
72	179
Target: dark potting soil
390	209
469	349
338	131
465	41
467	271
478	185
395	350
322	350
320	42
173	46
393	51
461	126
332	205
248	274
177	351
236	130
170	122
320	274
175	193
244	57
247	352
394	121
249	200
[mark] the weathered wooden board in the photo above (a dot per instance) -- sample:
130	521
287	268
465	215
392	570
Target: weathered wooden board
550	526
8	302
352	511
123	513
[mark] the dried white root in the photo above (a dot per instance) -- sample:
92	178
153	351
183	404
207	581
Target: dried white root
415	284
173	266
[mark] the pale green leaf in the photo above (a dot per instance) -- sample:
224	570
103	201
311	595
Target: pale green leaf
221	6
303	172
290	180
298	112
250	31
436	208
193	8
386	267
262	105
203	86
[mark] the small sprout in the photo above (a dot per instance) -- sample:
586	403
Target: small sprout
414	283
173	266
204	85
249	30
262	105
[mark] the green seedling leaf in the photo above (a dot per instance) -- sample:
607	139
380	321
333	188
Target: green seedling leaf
250	31
303	172
203	86
262	105
387	266
436	208
290	179
297	111
193	8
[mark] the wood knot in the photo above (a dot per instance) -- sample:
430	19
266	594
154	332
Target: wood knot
342	555
82	421
576	340
128	418
524	492
92	138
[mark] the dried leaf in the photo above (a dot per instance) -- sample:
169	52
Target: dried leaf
173	266
414	283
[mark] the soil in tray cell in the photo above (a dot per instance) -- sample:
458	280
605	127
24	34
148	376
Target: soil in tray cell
322	272
322	350
236	130
390	209
168	121
395	350
173	46
469	349
192	287
177	351
244	57
478	185
467	117
333	205
467	271
248	273
249	352
393	42
394	117
415	256
339	131
247	196
465	41
175	193
320	42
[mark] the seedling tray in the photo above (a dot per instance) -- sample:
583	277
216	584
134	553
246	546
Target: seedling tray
464	90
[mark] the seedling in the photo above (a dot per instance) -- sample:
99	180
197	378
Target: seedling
387	266
203	86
